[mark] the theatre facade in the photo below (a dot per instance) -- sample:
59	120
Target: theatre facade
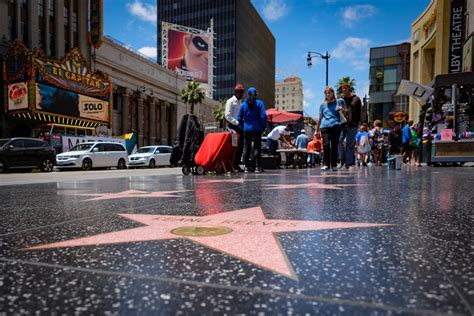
38	91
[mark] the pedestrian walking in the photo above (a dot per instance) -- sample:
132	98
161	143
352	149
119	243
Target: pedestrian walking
377	137
232	108
363	143
406	142
329	124
253	120
352	112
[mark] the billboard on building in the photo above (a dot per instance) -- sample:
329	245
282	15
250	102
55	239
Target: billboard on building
189	52
17	96
54	100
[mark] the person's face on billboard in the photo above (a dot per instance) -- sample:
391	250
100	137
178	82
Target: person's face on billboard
197	54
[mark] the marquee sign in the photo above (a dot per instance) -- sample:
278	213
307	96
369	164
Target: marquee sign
71	73
64	88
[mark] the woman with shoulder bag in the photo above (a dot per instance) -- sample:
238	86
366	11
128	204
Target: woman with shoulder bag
330	124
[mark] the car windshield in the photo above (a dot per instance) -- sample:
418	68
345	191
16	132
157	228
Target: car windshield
81	147
146	150
3	141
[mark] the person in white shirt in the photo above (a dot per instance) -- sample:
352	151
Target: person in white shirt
275	135
232	108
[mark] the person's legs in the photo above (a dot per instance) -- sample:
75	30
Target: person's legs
240	146
341	148
327	147
272	146
335	133
350	143
257	144
247	148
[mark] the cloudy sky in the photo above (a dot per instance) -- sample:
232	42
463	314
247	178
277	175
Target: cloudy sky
347	29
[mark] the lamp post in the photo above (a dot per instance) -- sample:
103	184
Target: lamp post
326	57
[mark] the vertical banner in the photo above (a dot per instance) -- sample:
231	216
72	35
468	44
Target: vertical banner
456	35
96	22
189	53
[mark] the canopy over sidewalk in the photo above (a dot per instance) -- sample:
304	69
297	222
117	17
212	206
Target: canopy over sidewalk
277	116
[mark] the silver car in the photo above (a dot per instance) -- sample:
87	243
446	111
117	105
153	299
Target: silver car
150	156
94	154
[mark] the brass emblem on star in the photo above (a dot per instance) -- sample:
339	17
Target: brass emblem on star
201	231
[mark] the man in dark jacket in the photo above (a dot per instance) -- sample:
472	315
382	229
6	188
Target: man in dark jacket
352	112
253	120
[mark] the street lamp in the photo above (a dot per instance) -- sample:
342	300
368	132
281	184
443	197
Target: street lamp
314	54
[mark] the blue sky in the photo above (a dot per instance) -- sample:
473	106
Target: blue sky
345	28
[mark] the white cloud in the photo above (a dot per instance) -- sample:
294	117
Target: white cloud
275	9
149	51
309	98
144	11
353	50
357	12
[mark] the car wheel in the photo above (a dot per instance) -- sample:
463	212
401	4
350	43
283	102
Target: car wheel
152	164
121	164
47	165
87	164
4	167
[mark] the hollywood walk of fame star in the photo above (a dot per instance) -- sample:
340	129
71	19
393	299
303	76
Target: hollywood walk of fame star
244	234
310	185
331	176
241	180
130	194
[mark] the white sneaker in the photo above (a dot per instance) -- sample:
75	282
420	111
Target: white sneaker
325	168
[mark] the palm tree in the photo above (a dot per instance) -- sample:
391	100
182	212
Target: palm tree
219	113
192	94
345	80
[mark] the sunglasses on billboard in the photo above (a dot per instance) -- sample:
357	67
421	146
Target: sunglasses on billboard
200	44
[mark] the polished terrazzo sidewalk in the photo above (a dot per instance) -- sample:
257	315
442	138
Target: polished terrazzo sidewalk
362	242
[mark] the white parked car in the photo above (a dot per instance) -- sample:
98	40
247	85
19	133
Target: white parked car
150	156
94	155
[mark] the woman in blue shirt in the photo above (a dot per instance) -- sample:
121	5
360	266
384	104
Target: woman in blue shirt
330	124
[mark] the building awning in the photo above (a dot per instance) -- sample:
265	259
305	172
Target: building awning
56	119
447	80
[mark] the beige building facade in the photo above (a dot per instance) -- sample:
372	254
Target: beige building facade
437	38
289	94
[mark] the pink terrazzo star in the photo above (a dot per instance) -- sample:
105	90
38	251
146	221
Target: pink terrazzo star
312	185
241	180
131	194
252	237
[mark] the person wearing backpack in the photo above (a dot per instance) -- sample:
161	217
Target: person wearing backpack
377	142
363	143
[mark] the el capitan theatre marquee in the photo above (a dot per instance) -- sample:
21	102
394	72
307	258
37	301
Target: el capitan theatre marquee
51	91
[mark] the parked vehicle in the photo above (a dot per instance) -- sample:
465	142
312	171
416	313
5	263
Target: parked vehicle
151	157
26	153
90	155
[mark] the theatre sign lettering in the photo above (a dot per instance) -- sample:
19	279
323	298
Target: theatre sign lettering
456	36
65	88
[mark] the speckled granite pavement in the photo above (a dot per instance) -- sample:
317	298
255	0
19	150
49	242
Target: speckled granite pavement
366	242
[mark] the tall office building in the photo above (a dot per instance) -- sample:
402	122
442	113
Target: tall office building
53	25
244	46
388	66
